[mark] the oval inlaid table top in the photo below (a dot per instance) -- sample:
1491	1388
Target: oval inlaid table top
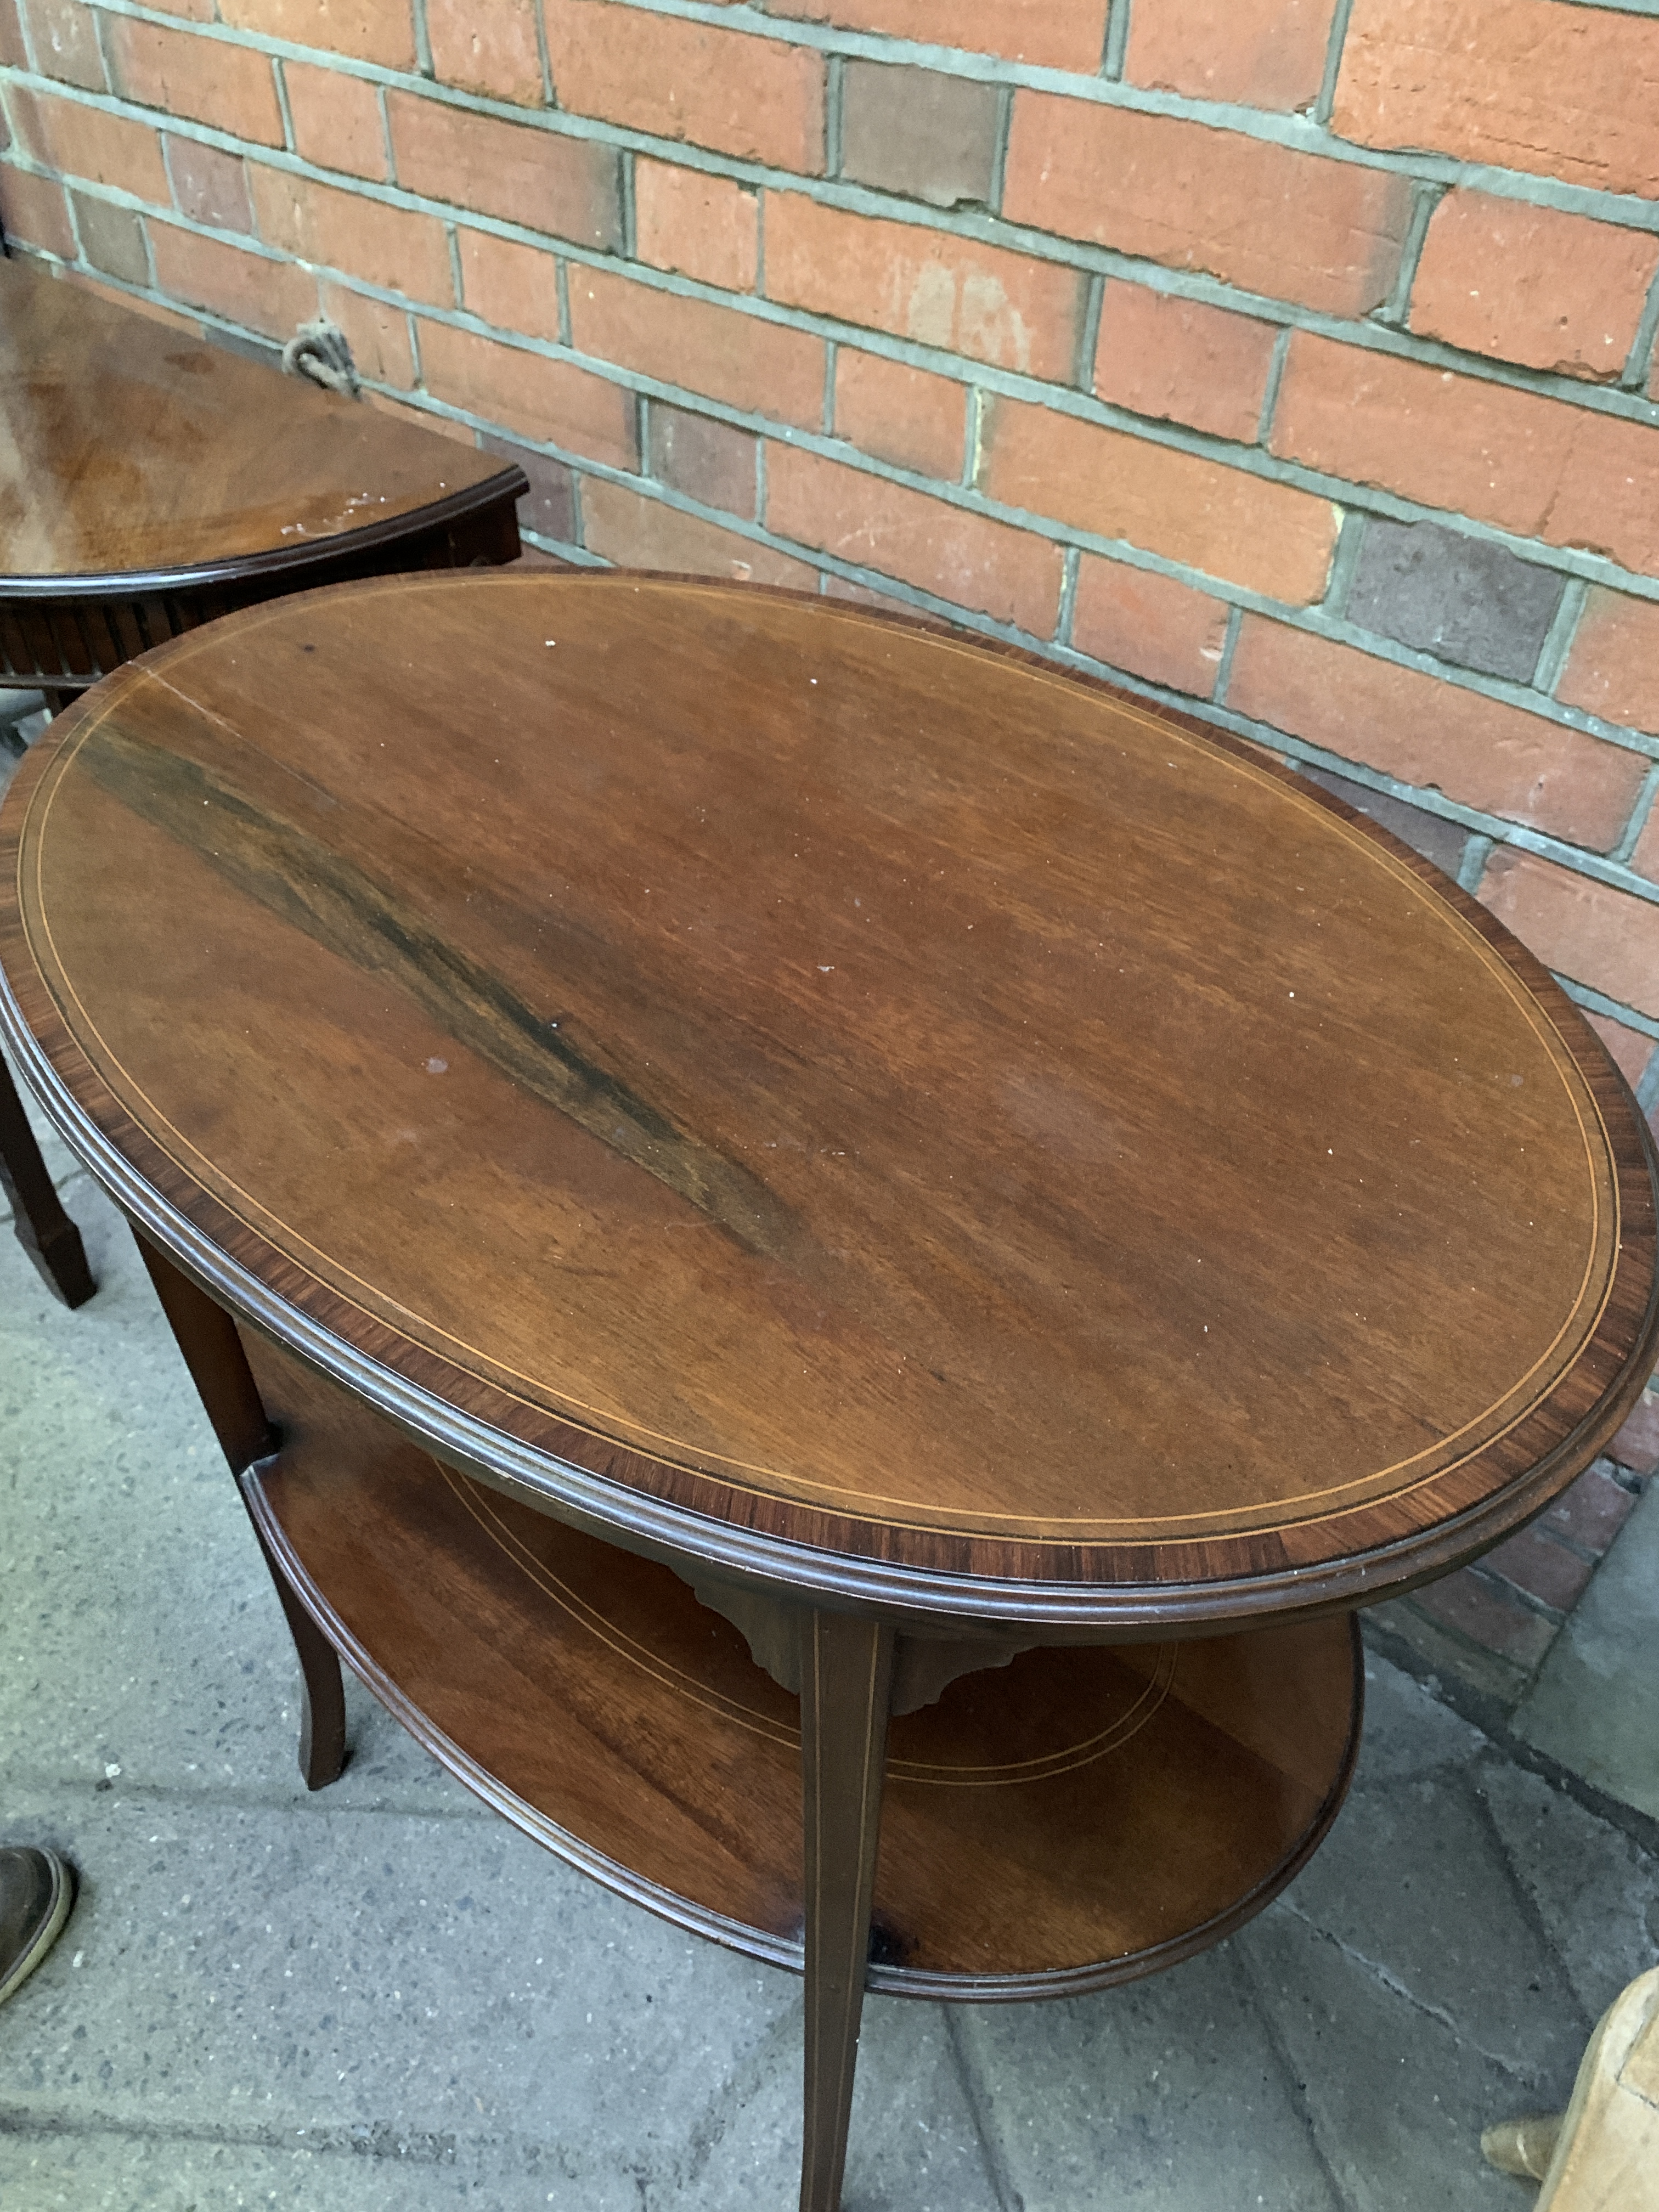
130	449
853	1106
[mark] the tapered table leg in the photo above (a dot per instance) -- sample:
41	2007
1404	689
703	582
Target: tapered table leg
43	1230
213	1352
846	1672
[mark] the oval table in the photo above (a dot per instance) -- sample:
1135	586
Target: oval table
149	482
830	1257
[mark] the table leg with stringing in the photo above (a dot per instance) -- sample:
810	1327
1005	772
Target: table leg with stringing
206	1335
847	1675
43	1230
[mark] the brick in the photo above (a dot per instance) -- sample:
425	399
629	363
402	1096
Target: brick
1645	859
905	415
1062	34
377	334
1004	573
913	131
12	55
230	87
1524	84
706	460
1261	53
1154	626
1531	284
272	296
704	227
369	30
761	100
717	352
1475	604
550	401
1289	225
1488	1615
549	507
1532	1564
1630	1050
1606	938
332	227
1540	467
1591	1511
1268	536
111	238
1183	362
65	33
981	301
209	186
1479	750
1432	835
490	46
625	527
514	287
567	187
35	212
84	142
337	120
1636	1446
1612	668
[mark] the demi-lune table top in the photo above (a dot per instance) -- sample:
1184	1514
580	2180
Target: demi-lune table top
836	1101
131	451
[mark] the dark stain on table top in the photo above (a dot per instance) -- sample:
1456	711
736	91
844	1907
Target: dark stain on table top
130	449
769	1076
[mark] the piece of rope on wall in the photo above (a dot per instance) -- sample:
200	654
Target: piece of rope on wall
320	351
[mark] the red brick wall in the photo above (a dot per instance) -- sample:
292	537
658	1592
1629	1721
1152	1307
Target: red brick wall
1290	357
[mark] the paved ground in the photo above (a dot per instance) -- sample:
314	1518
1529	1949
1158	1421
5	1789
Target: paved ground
383	1999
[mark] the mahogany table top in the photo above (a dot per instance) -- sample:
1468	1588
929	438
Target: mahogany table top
831	1100
130	450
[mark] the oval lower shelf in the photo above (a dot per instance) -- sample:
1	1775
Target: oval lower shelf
1084	1816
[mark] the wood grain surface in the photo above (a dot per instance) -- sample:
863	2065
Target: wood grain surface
857	1108
1077	1818
128	448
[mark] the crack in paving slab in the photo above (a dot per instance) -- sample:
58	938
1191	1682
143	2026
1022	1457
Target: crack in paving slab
378	2139
976	2099
166	1798
1391	1982
1296	2087
1526	1904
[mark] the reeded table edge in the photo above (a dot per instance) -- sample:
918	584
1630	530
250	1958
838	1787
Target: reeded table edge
740	1935
508	484
927	1595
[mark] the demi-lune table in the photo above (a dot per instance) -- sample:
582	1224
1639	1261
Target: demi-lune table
830	1257
149	482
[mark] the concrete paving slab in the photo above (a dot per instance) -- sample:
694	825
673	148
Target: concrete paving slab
1594	1706
915	2142
1396	2097
1596	1894
139	1627
105	2171
1413	1883
242	1972
1166	2094
1407	1733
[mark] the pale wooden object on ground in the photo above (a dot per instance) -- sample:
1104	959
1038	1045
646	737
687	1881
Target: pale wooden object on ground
1605	2151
